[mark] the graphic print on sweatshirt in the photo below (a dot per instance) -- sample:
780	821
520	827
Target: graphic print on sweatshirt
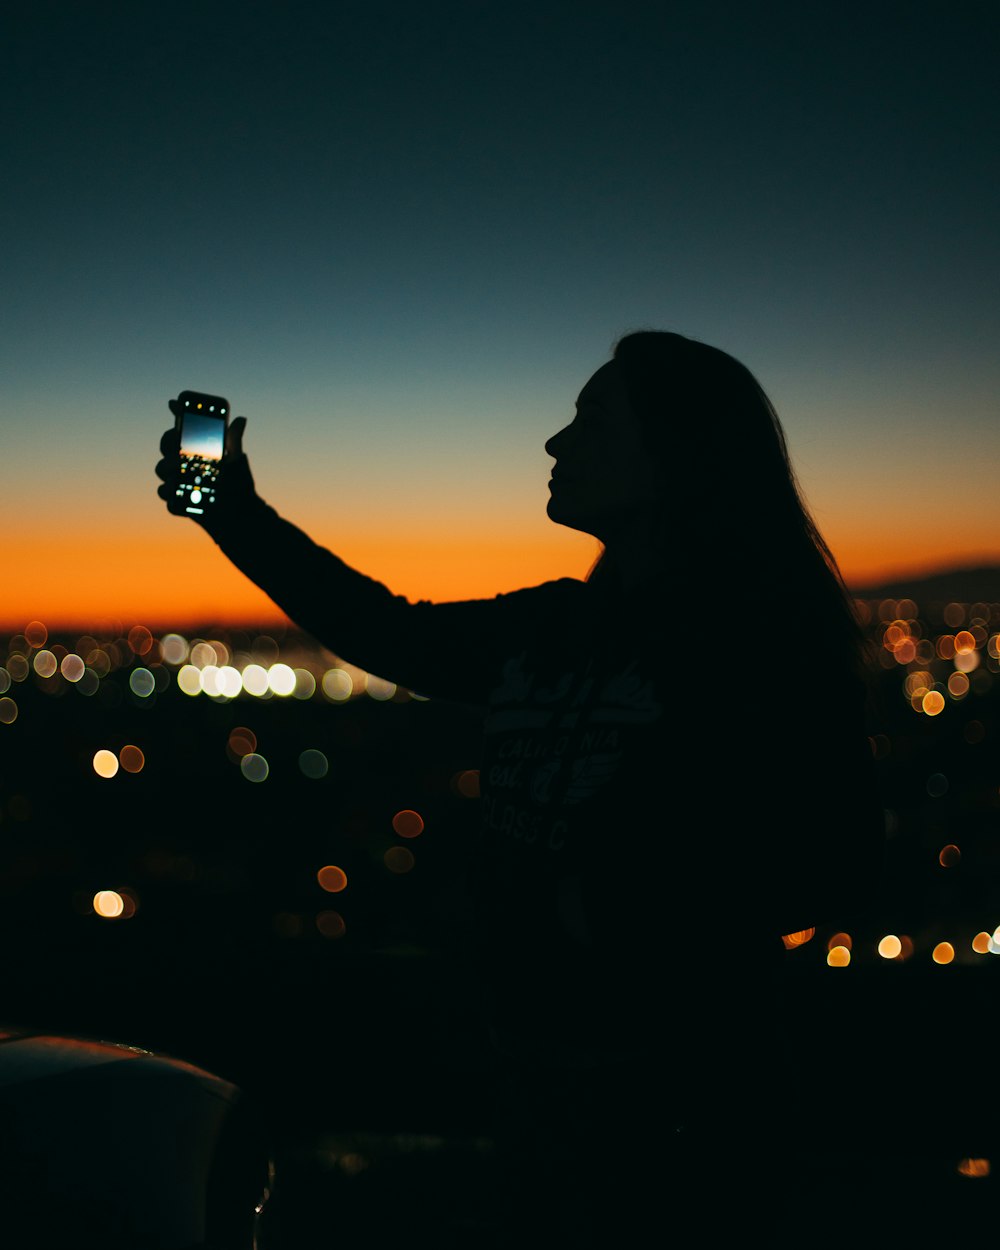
556	744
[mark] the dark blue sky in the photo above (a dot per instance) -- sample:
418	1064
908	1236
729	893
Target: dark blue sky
400	239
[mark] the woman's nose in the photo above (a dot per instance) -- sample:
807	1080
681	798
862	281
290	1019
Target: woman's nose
557	440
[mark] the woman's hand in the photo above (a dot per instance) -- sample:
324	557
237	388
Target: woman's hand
234	485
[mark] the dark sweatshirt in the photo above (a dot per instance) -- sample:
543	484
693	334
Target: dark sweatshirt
653	818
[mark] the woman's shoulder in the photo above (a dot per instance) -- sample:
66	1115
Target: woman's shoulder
553	600
560	588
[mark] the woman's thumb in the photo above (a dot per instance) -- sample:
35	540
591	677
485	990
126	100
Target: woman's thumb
234	436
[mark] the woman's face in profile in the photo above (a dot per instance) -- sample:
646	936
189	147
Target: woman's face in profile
603	481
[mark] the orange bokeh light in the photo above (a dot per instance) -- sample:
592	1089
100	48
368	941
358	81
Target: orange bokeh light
132	759
331	924
408	823
332	879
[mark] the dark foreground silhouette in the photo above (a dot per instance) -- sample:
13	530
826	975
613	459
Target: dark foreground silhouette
625	841
638	861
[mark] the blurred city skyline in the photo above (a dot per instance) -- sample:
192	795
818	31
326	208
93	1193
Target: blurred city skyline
135	710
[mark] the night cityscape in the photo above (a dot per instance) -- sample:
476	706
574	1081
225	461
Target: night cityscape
176	766
231	846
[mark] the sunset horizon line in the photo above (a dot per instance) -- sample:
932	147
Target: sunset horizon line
162	622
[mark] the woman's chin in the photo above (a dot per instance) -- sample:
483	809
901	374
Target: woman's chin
557	511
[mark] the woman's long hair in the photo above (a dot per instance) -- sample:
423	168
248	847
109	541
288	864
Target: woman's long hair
731	517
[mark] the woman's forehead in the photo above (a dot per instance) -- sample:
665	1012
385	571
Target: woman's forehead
605	385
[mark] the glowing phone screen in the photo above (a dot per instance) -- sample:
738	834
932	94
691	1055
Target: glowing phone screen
202	436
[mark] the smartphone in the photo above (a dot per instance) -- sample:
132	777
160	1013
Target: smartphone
202	421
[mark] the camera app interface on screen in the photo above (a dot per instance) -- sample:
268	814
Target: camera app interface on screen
203	431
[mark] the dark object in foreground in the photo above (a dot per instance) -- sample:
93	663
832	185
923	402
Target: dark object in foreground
106	1144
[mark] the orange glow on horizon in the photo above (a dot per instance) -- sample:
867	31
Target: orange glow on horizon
175	577
140	577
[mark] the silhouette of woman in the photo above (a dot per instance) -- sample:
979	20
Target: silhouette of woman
675	773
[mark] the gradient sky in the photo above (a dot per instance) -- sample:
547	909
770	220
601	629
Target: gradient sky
399	238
